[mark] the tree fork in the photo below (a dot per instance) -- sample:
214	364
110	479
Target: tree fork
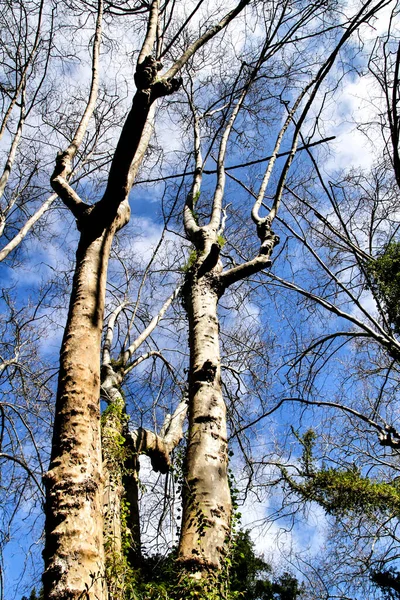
74	553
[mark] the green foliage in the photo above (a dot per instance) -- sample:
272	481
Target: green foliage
341	491
346	493
245	576
384	272
307	441
221	241
389	583
190	262
121	578
116	411
114	448
117	364
119	574
160	578
251	576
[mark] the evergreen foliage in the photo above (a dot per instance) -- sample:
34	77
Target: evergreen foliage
341	491
253	578
385	281
347	493
389	583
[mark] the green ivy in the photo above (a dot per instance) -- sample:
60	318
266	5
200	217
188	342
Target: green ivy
190	261
341	491
114	410
384	273
221	241
251	579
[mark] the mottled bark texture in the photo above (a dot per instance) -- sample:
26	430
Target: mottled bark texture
73	554
74	523
207	506
207	501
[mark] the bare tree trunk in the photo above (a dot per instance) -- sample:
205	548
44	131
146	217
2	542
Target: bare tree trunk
74	554
74	551
207	501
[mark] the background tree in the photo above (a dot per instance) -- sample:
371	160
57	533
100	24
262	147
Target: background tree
207	492
346	274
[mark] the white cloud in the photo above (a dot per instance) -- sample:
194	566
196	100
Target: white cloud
144	243
357	104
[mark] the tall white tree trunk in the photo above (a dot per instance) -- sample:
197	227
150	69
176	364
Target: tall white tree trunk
207	501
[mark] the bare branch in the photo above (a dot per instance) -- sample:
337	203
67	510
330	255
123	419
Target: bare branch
210	33
23	464
143	357
382	430
14	145
152	23
108	340
233	167
63	169
159	447
12	244
127	354
190	224
257	264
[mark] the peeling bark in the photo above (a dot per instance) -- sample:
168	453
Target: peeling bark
74	554
74	550
207	502
207	506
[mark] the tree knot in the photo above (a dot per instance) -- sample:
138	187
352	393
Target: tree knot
149	85
146	72
268	238
207	372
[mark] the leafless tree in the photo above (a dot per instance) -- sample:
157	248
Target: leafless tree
342	369
74	555
25	423
202	544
